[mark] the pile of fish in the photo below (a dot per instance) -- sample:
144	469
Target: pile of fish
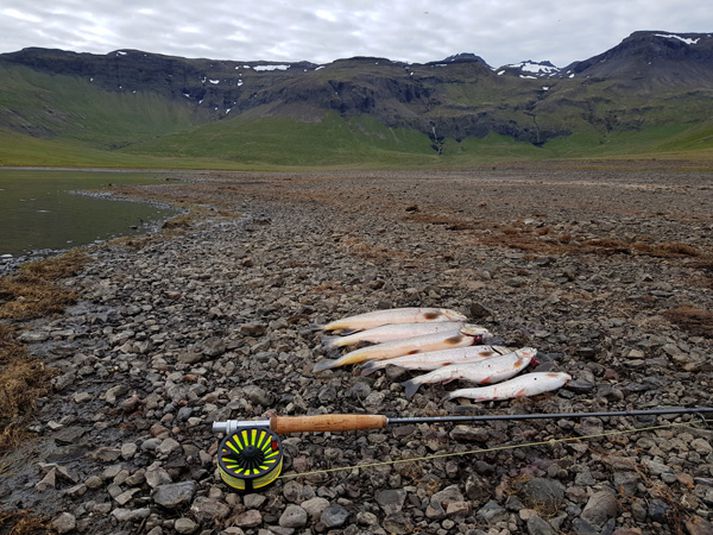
439	341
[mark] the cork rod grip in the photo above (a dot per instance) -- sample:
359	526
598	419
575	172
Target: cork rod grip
284	425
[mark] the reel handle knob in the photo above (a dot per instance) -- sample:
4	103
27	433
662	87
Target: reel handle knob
284	425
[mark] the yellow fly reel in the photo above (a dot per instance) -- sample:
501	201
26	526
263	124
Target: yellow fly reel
250	459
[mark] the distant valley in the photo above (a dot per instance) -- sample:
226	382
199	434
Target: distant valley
649	96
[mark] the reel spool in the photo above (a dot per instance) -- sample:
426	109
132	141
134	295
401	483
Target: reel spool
250	459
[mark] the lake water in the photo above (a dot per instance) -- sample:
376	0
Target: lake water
38	210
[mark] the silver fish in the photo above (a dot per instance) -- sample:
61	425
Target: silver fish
386	333
492	370
369	320
526	385
464	336
437	359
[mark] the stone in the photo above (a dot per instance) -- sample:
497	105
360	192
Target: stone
174	495
47	482
189	357
315	506
254	501
249	519
168	446
334	516
107	455
156	476
697	525
128	450
126	496
470	433
293	517
253	329
391	500
93	482
537	526
185	525
702	446
130	515
492	512
600	507
209	509
397	524
544	495
257	395
458	509
64	523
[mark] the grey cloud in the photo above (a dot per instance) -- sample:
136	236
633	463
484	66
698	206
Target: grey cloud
501	32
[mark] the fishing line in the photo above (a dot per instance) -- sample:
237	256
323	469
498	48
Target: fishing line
503	447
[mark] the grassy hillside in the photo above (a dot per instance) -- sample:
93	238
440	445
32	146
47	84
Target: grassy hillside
61	120
73	109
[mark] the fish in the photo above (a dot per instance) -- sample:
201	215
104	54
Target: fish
488	371
369	320
386	333
436	359
526	385
465	336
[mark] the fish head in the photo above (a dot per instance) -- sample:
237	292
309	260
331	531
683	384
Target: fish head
452	315
561	376
473	330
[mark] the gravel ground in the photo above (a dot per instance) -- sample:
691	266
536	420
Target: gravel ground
219	319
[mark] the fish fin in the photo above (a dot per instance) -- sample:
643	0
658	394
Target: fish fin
410	388
370	367
331	342
326	364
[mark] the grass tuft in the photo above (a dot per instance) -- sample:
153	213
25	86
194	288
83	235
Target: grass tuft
695	320
33	293
23	522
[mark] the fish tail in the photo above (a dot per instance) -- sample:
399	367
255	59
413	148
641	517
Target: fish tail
410	388
326	364
331	342
370	367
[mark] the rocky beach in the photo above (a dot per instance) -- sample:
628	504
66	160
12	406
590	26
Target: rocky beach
606	269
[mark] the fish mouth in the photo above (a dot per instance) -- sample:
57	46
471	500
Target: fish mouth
534	362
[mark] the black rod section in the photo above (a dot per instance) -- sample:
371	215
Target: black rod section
552	416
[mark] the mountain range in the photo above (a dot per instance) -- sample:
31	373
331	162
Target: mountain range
652	94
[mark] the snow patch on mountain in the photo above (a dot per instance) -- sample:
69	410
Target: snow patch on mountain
537	68
685	40
271	67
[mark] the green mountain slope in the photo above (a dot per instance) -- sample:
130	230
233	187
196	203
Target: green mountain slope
135	109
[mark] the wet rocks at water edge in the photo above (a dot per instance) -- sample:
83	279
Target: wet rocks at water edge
221	320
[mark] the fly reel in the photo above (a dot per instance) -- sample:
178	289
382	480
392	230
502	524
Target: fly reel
250	459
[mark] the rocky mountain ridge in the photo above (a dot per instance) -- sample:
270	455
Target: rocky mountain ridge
644	81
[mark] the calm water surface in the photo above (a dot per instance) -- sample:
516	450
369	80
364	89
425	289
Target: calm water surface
38	210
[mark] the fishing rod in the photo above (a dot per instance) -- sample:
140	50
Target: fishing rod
250	456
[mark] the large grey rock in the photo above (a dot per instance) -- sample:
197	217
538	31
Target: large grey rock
185	526
249	519
334	516
492	512
174	495
209	509
391	500
543	495
293	517
315	506
601	506
64	523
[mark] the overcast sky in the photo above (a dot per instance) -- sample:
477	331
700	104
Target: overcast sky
501	31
